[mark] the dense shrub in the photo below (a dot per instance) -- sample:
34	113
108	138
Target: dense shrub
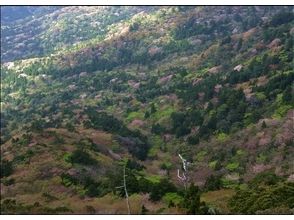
6	168
266	192
81	157
160	189
192	202
213	183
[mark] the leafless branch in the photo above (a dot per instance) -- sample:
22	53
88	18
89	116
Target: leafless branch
126	191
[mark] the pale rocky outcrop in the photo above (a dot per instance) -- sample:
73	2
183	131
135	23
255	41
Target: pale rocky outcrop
275	43
214	70
217	88
238	67
165	79
83	74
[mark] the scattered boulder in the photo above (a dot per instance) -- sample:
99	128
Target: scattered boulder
84	95
292	31
214	70
165	79
167	137
72	87
137	123
83	74
196	42
113	80
235	31
22	75
275	43
201	95
154	50
142	75
258	168
196	81
217	88
238	68
134	84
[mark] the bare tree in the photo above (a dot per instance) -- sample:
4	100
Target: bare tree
125	189
184	175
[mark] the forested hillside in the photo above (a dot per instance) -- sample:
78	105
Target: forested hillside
193	103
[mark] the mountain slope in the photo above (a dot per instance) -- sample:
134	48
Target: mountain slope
89	91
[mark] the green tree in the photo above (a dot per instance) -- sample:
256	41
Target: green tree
6	168
192	200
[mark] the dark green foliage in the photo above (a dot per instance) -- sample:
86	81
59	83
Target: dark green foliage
23	158
134	27
157	129
266	178
208	106
192	27
6	168
277	84
153	108
69	126
288	97
180	125
8	182
193	139
49	197
116	180
92	188
134	165
263	125
147	115
213	183
145	185
10	206
144	211
160	189
101	120
263	197
265	192
90	209
282	18
68	180
38	125
81	157
192	201
135	142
